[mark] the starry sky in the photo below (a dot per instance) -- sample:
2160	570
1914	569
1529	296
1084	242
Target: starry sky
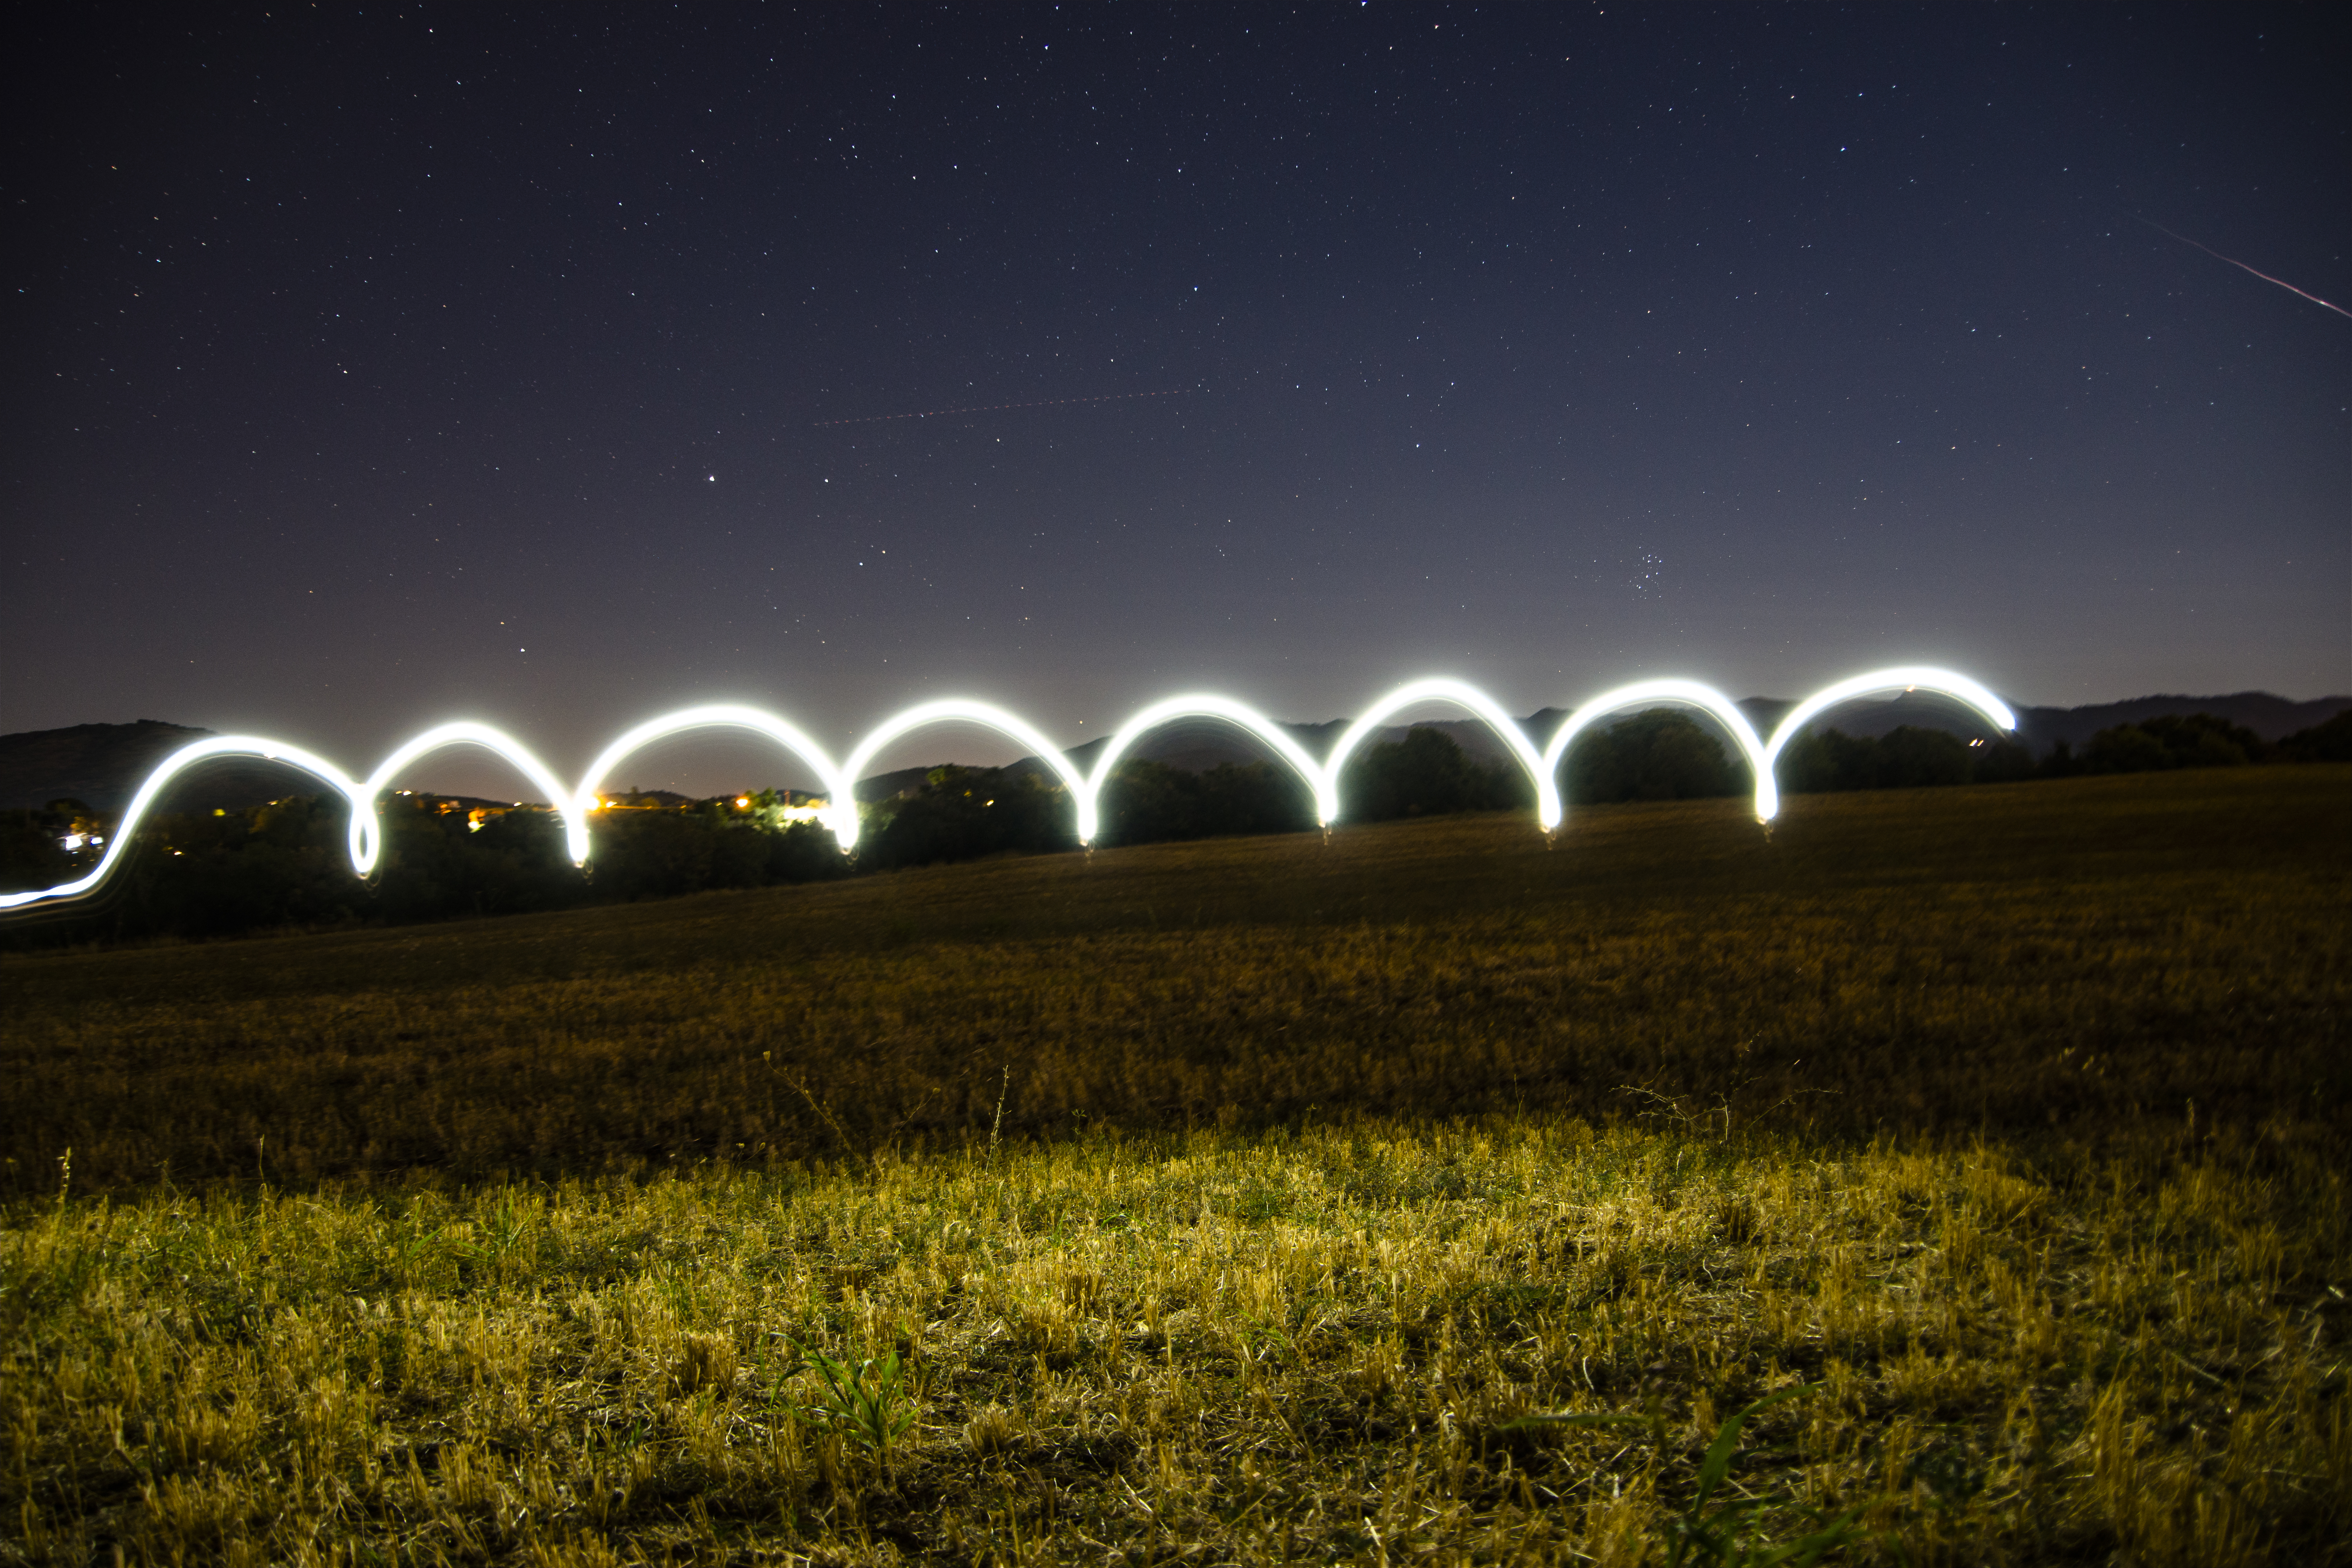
373	367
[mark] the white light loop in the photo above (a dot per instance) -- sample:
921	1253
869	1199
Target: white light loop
1693	694
1205	705
573	806
1462	694
364	846
1909	676
465	732
947	711
717	715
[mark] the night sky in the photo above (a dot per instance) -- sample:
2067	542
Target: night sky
373	368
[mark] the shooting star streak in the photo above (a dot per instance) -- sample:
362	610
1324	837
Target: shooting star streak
1000	407
2242	266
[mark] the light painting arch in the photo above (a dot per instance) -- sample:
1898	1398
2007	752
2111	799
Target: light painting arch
462	733
1688	694
710	716
950	710
1203	705
575	804
1908	678
1462	694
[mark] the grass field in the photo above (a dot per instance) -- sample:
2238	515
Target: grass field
1229	1201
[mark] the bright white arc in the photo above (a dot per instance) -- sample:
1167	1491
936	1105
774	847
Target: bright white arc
949	710
1205	705
1460	694
714	716
364	845
574	805
1908	678
465	732
1692	694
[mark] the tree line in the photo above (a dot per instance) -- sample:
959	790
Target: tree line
285	865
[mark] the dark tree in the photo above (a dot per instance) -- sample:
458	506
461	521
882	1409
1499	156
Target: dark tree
1822	761
2327	742
1660	753
1427	774
1913	758
962	814
2174	740
1150	802
32	852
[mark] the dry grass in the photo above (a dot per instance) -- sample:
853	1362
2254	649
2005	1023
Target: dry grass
1321	1171
2062	956
1288	1346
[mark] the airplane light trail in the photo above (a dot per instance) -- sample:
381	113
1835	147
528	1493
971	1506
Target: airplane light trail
575	806
2263	276
1000	407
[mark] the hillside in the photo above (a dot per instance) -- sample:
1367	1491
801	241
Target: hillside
1199	744
101	766
2272	717
1177	979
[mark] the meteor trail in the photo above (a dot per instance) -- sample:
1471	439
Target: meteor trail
2263	276
998	407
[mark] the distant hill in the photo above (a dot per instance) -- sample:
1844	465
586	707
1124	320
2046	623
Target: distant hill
102	765
2038	729
1195	745
2272	717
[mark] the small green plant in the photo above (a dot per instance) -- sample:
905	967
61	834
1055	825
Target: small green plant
1726	1533
871	1403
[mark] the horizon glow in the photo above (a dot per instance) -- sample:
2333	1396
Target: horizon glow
574	805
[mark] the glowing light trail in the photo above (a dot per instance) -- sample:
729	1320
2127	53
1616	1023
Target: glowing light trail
2265	276
1910	678
951	710
575	806
1206	705
1689	693
363	846
717	715
367	830
1462	693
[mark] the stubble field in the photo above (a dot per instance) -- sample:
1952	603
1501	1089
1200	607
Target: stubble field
1229	1201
